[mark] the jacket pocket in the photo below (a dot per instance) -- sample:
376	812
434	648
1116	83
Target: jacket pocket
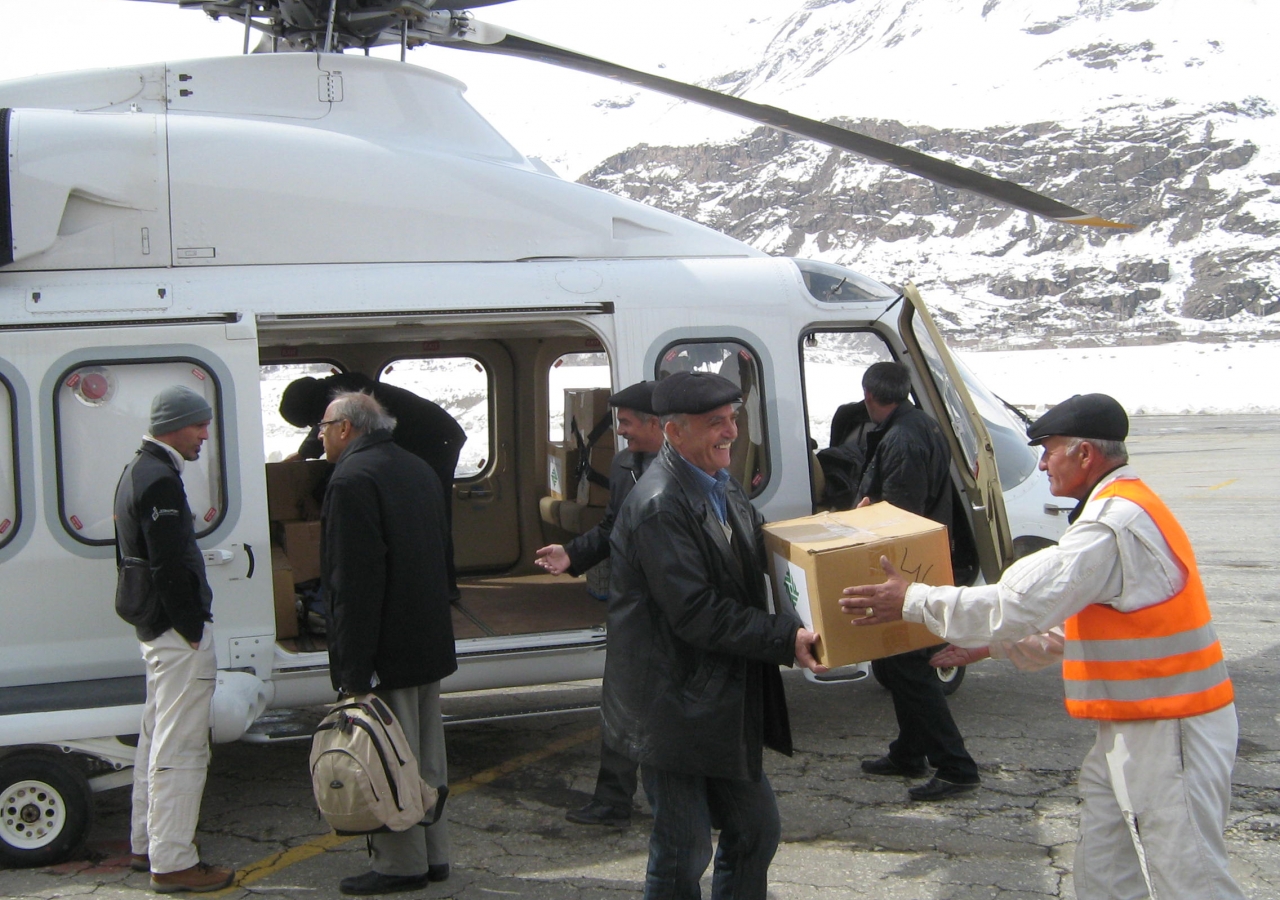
135	592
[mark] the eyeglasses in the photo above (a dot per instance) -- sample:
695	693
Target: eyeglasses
326	424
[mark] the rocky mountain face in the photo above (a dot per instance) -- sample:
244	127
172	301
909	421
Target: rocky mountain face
1199	181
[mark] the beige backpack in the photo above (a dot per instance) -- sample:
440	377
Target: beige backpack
363	773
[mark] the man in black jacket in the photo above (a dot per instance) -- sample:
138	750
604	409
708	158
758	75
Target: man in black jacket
423	428
637	422
694	689
382	561
155	534
909	465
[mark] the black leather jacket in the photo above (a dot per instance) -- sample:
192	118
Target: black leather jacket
691	680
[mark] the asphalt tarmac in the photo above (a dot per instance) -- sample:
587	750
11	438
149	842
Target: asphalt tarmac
845	835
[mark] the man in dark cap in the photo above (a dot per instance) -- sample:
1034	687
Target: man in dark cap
694	688
1141	660
637	422
423	428
163	588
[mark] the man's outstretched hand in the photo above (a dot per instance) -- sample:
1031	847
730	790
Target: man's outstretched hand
875	604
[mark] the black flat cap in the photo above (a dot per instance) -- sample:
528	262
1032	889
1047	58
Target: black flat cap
1094	416
693	392
638	396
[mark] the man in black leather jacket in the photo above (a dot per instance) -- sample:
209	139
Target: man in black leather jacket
694	688
909	465
616	782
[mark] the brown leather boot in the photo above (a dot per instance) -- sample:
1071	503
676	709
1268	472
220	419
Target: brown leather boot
199	878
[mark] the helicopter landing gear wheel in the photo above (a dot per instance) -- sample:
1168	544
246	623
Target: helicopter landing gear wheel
46	809
950	678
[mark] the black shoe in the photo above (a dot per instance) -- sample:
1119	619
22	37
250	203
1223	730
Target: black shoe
438	873
597	813
372	882
937	789
887	766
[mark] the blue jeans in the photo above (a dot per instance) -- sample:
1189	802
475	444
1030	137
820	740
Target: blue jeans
685	809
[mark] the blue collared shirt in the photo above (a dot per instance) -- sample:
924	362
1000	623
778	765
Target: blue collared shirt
716	487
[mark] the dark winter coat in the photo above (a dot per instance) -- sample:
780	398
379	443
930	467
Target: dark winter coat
692	680
586	550
909	465
383	569
153	522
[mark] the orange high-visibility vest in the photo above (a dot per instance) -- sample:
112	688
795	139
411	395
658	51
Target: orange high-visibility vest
1160	662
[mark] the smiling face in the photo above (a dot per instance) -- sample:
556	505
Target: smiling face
643	432
705	439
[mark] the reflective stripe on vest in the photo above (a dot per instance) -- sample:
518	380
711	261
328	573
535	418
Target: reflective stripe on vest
1160	662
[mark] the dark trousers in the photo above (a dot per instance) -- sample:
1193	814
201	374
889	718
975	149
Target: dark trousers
685	809
616	782
925	727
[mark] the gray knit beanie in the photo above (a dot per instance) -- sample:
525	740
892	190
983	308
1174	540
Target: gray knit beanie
177	407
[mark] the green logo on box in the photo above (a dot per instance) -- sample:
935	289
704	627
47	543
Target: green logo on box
792	591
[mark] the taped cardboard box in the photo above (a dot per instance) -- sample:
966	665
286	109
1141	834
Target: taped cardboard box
302	546
285	602
813	559
562	467
293	489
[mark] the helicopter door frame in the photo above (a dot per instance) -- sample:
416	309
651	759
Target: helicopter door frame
971	446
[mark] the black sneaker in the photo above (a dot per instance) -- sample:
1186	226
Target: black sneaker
372	882
887	766
597	813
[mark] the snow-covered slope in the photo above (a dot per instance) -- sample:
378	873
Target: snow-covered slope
1157	112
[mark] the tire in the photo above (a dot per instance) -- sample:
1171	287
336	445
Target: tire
950	679
46	809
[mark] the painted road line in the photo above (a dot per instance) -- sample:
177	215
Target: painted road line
276	862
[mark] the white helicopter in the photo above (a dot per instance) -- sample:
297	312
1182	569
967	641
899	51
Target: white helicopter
229	224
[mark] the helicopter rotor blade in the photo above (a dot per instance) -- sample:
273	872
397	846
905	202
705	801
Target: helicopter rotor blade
483	37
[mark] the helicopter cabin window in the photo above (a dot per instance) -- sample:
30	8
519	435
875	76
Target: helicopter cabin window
279	438
749	459
8	464
461	385
101	412
834	362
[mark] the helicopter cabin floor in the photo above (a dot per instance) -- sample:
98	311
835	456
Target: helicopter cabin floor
509	605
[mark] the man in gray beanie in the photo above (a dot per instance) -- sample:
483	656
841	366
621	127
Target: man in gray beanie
162	591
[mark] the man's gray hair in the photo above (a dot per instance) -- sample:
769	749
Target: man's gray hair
1113	451
363	412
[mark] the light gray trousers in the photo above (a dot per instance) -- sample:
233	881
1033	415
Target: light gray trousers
172	758
410	852
1156	798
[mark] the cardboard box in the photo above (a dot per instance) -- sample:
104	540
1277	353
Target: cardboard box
584	409
286	603
562	464
813	559
293	489
302	546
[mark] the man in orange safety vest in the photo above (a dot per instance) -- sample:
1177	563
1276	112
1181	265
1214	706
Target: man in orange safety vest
1140	658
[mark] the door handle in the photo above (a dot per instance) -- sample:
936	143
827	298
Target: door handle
217	557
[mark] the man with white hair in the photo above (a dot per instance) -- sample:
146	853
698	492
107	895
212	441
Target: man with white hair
1141	659
385	578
